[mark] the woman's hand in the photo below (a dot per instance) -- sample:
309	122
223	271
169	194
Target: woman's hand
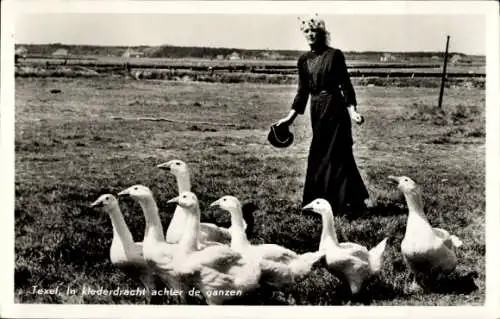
358	118
288	120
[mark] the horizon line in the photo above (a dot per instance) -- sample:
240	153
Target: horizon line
236	48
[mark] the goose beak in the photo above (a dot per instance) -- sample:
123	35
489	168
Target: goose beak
165	166
215	204
394	178
95	204
308	209
124	192
174	200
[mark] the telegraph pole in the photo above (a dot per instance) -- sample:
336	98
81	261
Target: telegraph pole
443	76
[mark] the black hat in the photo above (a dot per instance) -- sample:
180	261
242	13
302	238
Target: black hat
280	136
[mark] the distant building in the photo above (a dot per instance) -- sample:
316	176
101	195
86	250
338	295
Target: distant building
457	58
234	56
21	52
60	53
271	56
129	53
387	57
220	57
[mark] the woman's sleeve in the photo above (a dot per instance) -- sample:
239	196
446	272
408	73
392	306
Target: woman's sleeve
300	101
344	79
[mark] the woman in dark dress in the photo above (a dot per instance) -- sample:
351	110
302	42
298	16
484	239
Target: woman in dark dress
331	169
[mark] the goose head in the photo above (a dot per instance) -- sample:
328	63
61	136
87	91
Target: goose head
137	192
181	172
228	203
176	167
106	202
412	193
187	200
405	184
318	206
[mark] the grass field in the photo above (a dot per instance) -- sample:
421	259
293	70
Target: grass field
97	136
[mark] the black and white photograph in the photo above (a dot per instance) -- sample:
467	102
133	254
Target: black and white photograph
335	156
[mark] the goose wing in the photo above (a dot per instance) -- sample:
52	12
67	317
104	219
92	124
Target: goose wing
449	241
245	272
137	250
204	244
441	233
218	268
353	246
213	233
355	250
218	257
354	268
274	252
275	274
350	260
303	265
162	256
210	281
278	274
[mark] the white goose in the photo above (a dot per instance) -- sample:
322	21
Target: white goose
426	250
124	252
280	266
155	249
209	232
216	268
351	262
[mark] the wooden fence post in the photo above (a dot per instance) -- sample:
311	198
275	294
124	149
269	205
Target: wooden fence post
443	76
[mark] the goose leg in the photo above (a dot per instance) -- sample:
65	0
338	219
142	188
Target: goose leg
155	299
296	295
344	291
414	287
193	300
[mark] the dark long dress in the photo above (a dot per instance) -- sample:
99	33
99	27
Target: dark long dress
331	169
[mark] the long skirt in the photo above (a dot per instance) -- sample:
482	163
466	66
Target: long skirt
332	173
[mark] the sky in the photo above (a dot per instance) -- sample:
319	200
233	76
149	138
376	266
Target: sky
350	32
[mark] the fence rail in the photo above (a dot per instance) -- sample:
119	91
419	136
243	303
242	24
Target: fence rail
355	70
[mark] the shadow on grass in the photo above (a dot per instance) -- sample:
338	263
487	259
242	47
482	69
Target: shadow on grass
381	210
455	283
375	289
262	296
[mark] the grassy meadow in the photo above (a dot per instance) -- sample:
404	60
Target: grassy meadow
105	134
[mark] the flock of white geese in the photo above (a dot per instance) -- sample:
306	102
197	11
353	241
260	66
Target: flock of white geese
219	261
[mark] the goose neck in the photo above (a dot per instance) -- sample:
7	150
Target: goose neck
183	182
416	208
417	225
154	228
120	228
189	239
328	235
239	238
